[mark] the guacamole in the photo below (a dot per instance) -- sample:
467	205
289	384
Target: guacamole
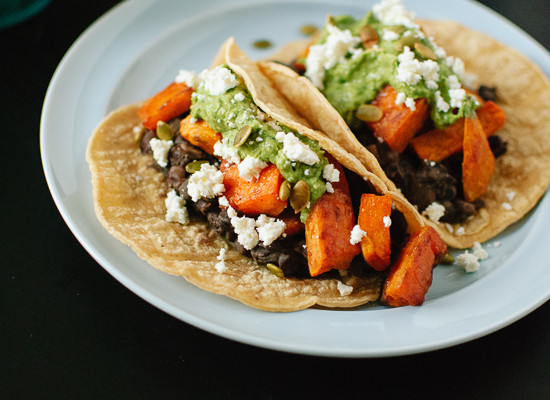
234	109
403	57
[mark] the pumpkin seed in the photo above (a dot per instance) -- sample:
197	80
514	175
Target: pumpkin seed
368	36
308	29
399	29
425	51
195	166
242	135
408	41
262	44
275	270
448	259
164	132
299	196
138	133
369	113
284	190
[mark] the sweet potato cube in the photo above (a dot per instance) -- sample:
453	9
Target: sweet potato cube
199	134
260	196
376	245
478	164
292	222
328	229
399	124
411	275
174	100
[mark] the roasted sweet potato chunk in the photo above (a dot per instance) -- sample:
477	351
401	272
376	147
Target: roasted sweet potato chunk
199	134
478	164
374	214
399	123
174	100
411	275
260	196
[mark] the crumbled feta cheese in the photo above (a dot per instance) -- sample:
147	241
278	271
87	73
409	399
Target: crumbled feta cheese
387	221
410	103
245	228
457	97
411	71
331	174
192	120
219	80
160	149
393	12
467	261
479	251
400	98
434	212
326	55
389	35
205	183
507	206
251	167
175	208
296	150
511	195
187	77
449	227
440	102
223	202
329	187
220	265
269	229
226	152
496	244
345	290
460	231
231	213
356	234
280	136
239	97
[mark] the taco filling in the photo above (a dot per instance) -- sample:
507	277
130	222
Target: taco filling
287	198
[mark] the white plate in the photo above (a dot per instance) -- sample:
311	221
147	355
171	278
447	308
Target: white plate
137	48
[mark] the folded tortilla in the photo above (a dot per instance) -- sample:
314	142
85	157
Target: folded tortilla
129	201
521	175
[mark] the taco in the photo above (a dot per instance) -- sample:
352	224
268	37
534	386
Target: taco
470	150
216	178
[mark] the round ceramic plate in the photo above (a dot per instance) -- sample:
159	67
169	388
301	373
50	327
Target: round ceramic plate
137	48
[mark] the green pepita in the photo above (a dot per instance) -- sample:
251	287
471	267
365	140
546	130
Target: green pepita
368	36
284	190
369	113
399	29
275	270
195	166
408	41
299	196
308	30
242	135
138	133
448	259
164	131
425	51
262	44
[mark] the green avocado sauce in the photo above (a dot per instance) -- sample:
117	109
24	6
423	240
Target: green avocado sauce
229	112
358	78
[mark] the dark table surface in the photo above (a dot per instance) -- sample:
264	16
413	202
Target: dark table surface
70	330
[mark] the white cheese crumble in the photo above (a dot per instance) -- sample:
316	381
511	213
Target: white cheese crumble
331	174
345	290
507	206
217	81
205	183
440	102
239	97
220	265
245	228
389	35
187	77
269	229
357	234
468	261
387	221
511	195
326	55
295	150
434	212
479	251
460	231
393	12
411	71
223	202
226	152
175	208
329	187
160	149
251	167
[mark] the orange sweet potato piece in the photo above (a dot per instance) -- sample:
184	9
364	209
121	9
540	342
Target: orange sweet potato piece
174	100
478	164
261	196
411	275
328	229
199	134
292	222
398	124
439	144
376	245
